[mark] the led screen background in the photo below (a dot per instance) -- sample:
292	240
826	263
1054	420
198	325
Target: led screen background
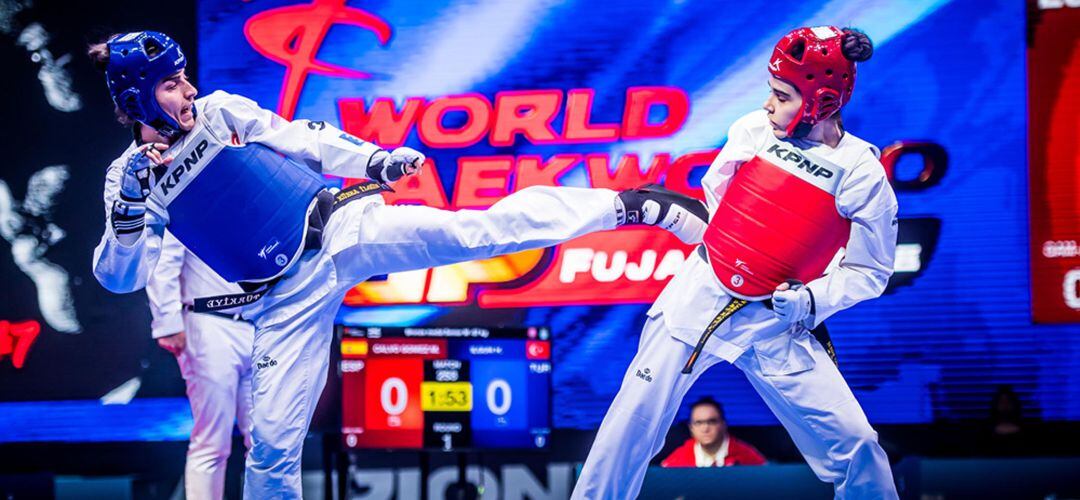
947	73
954	75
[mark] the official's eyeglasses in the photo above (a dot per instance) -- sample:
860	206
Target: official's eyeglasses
712	422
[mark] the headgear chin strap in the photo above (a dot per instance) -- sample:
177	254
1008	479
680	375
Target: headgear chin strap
812	60
137	63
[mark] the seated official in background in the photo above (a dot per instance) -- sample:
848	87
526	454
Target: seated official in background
710	445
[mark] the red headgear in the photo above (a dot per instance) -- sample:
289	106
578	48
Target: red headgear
812	60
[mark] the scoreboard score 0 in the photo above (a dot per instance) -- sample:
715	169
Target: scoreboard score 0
445	388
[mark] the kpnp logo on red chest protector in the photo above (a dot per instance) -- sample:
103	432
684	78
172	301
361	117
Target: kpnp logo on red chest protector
776	221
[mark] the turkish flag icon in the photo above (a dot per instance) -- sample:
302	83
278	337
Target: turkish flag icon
538	349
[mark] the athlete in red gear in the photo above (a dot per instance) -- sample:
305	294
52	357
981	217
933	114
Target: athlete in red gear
792	196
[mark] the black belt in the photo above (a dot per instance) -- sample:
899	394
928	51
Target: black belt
819	332
234	317
326	203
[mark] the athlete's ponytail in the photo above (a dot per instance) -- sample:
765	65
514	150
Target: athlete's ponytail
99	56
857	46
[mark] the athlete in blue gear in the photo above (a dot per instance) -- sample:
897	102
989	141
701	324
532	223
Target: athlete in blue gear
241	188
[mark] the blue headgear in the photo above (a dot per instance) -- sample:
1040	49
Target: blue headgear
137	63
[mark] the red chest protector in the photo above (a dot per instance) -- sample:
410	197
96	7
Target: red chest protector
776	221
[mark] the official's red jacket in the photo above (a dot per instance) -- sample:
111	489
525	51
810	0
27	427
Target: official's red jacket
739	453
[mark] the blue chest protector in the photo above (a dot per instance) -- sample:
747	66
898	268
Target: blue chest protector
242	210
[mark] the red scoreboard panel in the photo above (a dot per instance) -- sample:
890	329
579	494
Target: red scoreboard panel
1054	167
445	388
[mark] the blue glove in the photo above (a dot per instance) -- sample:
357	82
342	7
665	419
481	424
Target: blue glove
129	208
135	183
792	305
389	167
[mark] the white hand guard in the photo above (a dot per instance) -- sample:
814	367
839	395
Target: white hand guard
792	306
389	167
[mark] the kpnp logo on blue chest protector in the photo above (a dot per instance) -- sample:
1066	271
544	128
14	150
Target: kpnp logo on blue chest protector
242	210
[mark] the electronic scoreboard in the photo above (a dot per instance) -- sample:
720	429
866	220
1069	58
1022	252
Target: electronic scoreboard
445	388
